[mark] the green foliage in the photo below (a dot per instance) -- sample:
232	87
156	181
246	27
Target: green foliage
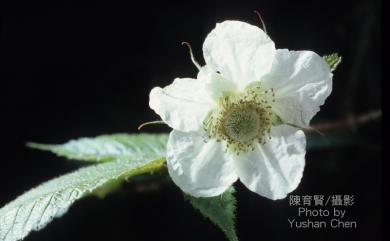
220	210
333	60
110	147
129	155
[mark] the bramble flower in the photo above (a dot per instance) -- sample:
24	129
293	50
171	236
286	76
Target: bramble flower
240	118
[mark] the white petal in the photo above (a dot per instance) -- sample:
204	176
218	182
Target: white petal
198	168
274	169
183	105
302	81
240	51
215	83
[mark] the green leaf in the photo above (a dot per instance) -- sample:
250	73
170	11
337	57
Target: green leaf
220	210
36	208
110	147
333	61
129	155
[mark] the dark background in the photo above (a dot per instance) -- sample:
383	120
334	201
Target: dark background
75	70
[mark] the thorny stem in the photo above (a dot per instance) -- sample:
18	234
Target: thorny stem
350	122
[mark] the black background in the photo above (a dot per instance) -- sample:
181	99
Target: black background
76	70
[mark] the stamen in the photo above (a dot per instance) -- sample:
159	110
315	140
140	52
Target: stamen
192	55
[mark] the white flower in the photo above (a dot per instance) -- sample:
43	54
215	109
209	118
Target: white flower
236	120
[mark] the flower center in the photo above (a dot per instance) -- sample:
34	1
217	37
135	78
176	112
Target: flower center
242	119
242	122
